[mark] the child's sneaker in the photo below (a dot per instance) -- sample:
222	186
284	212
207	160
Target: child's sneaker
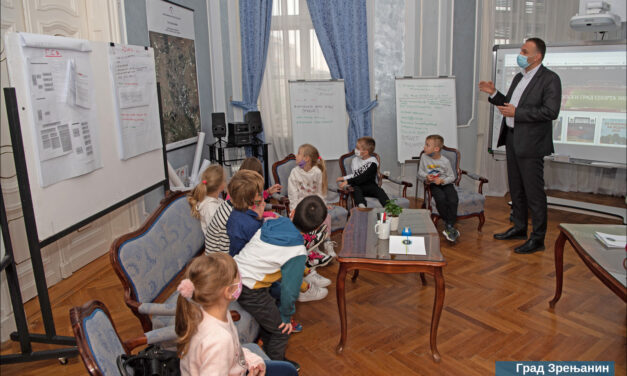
329	246
313	278
315	259
451	234
315	238
313	293
296	326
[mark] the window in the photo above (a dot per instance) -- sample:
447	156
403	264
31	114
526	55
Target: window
293	53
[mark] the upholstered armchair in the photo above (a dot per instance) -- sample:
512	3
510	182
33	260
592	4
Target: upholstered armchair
281	172
471	204
402	201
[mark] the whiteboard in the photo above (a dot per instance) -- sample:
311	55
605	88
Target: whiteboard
59	206
424	106
318	113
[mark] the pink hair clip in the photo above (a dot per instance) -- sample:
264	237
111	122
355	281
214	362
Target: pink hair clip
319	157
204	182
186	288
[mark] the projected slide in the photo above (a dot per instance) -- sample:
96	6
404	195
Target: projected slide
592	120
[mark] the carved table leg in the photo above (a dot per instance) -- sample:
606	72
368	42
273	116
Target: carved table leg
438	302
559	268
341	305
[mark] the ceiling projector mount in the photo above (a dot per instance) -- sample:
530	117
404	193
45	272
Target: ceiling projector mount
597	18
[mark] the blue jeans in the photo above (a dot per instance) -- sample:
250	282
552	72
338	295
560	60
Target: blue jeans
280	368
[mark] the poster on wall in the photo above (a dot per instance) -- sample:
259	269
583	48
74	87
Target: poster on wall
132	70
63	107
171	31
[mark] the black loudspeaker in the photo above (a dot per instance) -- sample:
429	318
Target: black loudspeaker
239	134
218	124
253	118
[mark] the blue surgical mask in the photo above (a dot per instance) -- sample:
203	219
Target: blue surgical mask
431	154
522	61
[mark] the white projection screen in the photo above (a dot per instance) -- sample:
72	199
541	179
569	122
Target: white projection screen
591	123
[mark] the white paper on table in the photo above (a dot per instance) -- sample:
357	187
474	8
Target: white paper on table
416	247
611	241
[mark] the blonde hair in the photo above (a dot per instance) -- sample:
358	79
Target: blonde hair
209	274
368	142
253	164
243	188
211	180
437	139
311	152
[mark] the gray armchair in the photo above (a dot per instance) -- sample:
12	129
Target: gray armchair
471	204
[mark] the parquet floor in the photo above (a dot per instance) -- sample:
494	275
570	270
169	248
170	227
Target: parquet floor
496	308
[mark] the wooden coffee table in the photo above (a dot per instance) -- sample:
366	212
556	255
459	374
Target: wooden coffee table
608	264
362	250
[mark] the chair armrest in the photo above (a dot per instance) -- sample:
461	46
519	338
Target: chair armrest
275	207
159	309
283	200
476	177
133	343
161	335
405	184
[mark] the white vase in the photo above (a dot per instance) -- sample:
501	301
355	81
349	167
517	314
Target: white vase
393	223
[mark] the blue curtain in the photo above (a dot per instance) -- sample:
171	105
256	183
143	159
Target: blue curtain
342	32
254	17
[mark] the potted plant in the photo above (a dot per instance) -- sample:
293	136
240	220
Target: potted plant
393	211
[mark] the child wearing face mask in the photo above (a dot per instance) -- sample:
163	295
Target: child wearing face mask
310	178
208	343
437	171
363	178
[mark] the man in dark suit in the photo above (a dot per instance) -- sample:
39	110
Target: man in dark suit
532	102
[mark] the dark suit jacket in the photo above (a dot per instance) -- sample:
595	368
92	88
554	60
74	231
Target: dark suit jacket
539	105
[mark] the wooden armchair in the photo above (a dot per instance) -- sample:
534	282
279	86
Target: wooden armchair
345	167
281	172
471	204
98	341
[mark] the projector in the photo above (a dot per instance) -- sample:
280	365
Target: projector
595	22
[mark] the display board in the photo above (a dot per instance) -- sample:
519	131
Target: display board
318	113
76	85
592	120
424	106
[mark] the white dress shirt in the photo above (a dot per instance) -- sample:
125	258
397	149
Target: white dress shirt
518	92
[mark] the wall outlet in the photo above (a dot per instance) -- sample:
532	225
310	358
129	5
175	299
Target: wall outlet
386	173
183	172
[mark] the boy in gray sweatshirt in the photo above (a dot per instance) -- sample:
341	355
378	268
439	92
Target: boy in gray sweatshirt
438	173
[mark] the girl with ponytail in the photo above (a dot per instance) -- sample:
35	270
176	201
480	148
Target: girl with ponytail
310	178
208	343
205	199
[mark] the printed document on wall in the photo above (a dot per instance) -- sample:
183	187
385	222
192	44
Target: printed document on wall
132	70
64	112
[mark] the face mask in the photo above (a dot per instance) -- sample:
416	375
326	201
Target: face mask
522	61
237	292
302	163
431	154
357	152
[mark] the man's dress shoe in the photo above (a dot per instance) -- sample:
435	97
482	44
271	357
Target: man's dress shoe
530	246
511	233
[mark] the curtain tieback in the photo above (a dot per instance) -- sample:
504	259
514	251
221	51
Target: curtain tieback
363	110
247	107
